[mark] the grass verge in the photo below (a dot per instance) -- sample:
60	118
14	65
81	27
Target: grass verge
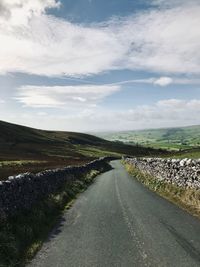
23	235
186	198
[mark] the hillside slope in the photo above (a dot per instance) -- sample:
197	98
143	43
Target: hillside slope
27	149
17	142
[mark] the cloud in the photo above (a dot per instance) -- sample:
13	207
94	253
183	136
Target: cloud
42	113
2	101
173	3
163	81
164	40
78	97
172	104
19	12
179	104
164	113
194	104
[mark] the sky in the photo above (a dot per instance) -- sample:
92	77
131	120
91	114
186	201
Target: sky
99	65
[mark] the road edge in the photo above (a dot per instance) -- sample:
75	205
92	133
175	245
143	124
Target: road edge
185	198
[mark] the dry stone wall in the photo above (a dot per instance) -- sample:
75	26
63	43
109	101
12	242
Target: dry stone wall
21	192
182	172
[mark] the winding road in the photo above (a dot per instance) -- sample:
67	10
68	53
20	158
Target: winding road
119	222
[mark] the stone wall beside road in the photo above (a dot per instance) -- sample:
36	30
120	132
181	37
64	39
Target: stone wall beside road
182	172
21	192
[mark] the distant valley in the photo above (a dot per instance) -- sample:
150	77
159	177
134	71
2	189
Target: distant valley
174	139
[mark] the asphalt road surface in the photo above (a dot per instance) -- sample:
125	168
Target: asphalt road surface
119	222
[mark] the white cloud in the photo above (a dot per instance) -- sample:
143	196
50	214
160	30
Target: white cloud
51	46
194	104
178	104
173	3
164	40
165	113
42	113
163	81
19	12
172	103
83	96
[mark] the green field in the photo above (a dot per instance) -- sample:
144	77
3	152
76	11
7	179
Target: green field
186	140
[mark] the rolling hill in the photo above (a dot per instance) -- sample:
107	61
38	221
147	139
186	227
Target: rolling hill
184	139
28	149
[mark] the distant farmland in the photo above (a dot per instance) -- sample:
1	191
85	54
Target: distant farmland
185	139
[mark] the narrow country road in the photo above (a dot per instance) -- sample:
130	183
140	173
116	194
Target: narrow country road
118	222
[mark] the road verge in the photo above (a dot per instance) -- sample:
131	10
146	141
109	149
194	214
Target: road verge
23	234
186	198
